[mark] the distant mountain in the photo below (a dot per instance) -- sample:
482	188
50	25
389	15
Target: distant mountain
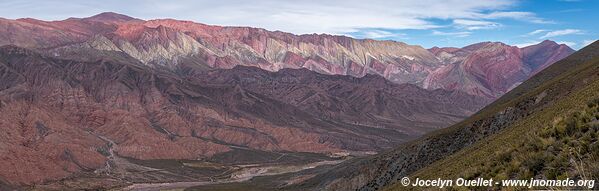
530	132
485	69
541	56
491	69
69	117
110	17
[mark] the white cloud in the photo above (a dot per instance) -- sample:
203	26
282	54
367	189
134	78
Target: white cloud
535	32
529	43
300	17
561	33
475	24
376	34
570	44
525	44
526	16
453	34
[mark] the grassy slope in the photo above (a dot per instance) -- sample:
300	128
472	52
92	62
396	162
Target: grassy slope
566	93
385	169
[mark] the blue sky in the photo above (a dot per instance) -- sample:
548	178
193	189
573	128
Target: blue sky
428	23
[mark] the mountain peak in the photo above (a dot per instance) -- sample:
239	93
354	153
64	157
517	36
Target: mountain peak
436	50
487	44
111	17
551	43
548	42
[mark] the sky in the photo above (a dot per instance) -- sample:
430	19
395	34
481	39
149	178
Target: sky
442	23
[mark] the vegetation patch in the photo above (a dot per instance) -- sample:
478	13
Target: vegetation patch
567	148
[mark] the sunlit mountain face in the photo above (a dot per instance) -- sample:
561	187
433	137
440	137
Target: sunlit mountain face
486	69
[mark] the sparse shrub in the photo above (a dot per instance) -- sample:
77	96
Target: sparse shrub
551	148
594	150
501	176
548	151
593	169
560	130
563	176
574	143
525	174
512	169
535	163
505	156
593	103
551	174
571	126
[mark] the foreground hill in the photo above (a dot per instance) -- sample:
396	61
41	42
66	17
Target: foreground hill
556	110
554	138
64	118
484	69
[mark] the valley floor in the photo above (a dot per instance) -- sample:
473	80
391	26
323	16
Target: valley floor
122	173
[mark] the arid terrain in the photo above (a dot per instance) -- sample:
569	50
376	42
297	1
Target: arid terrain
115	102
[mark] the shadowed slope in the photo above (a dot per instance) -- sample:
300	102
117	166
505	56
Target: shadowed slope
73	109
576	74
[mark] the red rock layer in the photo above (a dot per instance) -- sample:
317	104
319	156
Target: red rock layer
168	42
59	115
491	69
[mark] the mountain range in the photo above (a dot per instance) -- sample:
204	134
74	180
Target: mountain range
486	69
110	100
535	131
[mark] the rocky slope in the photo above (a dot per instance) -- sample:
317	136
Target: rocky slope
77	94
60	116
466	147
553	124
491	69
485	69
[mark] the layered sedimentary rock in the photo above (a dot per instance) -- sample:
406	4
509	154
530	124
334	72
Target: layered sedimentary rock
491	69
75	92
64	116
168	42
